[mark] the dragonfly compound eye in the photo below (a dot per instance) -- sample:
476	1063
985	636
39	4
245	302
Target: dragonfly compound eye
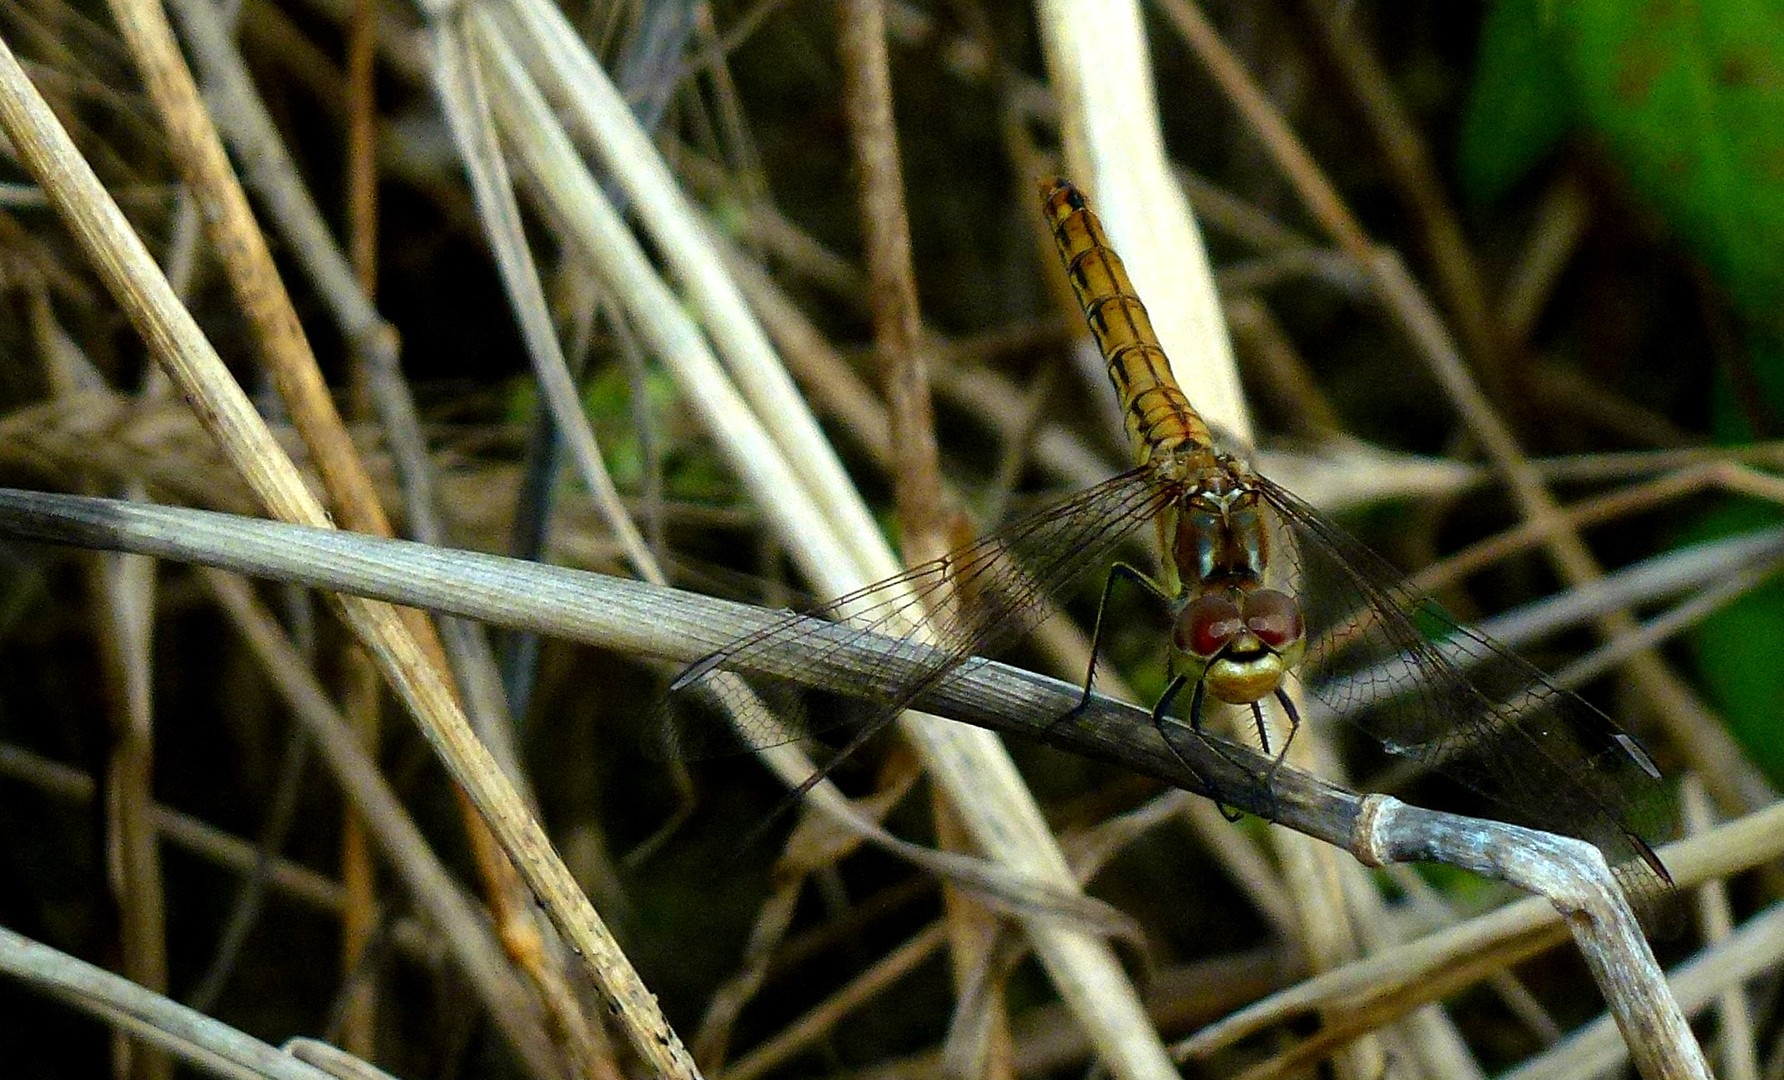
1274	617
1208	624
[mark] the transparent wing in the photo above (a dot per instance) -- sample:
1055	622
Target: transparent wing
1457	702
978	598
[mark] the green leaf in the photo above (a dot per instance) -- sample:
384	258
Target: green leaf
1734	644
1519	106
1689	98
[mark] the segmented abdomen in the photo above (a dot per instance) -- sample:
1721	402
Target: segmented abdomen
1159	417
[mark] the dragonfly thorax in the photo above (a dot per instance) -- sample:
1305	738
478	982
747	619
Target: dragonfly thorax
1222	535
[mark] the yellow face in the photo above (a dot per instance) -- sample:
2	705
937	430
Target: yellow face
1239	642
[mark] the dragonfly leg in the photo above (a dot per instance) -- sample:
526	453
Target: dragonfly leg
1649	855
1159	712
1294	726
1138	577
1263	730
1172	689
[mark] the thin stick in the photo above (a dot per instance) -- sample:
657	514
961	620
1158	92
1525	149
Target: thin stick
359	1024
892	286
821	1020
124	591
634	617
191	1036
1409	166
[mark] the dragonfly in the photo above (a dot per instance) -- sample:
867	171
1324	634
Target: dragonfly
1238	555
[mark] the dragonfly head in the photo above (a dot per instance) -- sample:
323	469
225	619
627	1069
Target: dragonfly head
1241	642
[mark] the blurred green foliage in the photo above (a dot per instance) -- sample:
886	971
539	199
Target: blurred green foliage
690	471
1687	100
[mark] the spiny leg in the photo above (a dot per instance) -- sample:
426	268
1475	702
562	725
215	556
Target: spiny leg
1139	577
1162	707
1263	730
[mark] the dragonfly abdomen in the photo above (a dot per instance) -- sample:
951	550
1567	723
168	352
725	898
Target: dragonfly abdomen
1158	415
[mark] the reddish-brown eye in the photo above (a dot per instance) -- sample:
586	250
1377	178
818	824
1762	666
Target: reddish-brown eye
1274	617
1207	624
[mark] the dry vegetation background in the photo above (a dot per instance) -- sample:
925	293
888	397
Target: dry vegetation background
164	816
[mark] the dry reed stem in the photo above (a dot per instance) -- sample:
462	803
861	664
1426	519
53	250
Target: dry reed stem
168	1025
177	343
124	591
1736	1048
359	1025
1395	981
853	995
867	100
891	280
285	349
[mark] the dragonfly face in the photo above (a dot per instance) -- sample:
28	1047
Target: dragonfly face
1239	642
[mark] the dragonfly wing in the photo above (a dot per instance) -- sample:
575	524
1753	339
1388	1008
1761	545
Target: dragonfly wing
750	694
1461	704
